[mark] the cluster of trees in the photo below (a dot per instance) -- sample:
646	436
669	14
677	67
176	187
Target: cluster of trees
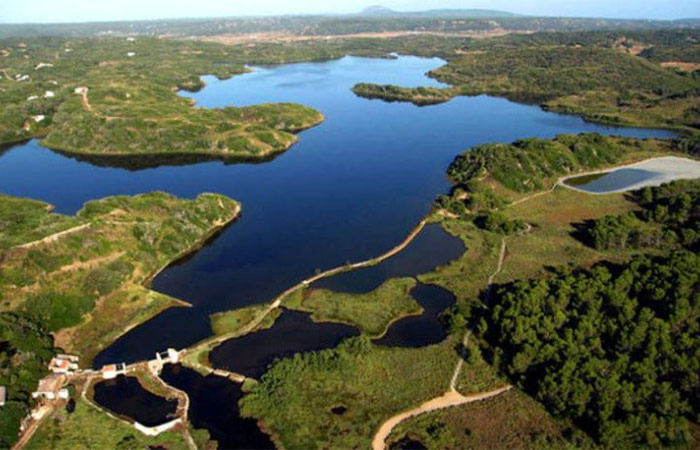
616	349
527	165
25	350
669	218
543	72
497	222
419	96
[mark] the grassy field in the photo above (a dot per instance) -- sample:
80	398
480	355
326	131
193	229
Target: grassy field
512	420
295	398
231	321
87	285
372	313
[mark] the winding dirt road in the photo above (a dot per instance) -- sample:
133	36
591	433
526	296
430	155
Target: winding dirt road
447	400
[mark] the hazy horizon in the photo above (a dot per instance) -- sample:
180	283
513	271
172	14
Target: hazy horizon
67	11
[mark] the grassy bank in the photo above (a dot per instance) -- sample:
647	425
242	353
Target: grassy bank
372	313
87	286
88	427
363	383
511	420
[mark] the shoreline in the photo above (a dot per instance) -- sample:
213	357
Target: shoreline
674	172
209	343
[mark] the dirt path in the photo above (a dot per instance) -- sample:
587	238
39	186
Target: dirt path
77	265
84	100
31	429
54	237
448	400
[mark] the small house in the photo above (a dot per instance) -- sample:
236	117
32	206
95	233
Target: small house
111	371
3	395
49	94
64	364
131	54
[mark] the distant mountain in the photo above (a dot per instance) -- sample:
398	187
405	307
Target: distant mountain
378	10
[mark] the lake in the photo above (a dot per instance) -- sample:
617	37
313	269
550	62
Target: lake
351	189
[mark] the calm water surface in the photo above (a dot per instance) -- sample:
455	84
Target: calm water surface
214	407
126	397
425	329
351	189
293	332
431	248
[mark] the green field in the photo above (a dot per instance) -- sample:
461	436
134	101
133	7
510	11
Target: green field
295	398
88	427
87	285
371	313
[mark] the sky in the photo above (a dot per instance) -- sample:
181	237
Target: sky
43	11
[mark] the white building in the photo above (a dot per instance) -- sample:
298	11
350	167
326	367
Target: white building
49	94
42	65
38	118
81	90
64	364
3	395
131	54
49	386
31	98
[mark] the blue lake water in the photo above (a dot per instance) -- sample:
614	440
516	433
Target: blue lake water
351	189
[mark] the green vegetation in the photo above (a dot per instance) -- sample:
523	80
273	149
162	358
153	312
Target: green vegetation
636	323
87	427
24	220
371	313
609	77
420	96
25	350
231	321
130	106
87	285
488	177
599	285
295	397
668	220
512	420
542	72
464	21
